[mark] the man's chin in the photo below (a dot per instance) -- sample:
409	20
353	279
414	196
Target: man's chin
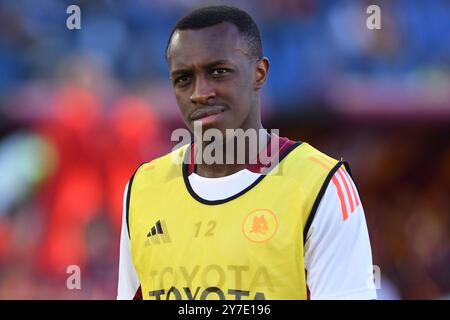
210	131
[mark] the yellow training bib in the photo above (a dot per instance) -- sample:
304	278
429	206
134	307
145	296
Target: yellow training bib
250	246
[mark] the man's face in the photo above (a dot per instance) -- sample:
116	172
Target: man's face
214	78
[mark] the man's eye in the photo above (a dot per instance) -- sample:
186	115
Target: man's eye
181	80
220	71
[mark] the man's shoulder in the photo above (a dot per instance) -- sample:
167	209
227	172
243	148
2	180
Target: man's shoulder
305	155
167	162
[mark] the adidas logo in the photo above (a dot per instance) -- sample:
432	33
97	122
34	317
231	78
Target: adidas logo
158	234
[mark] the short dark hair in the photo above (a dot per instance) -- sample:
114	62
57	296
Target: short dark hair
213	15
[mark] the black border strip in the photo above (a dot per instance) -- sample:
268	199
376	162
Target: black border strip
347	168
319	198
216	202
128	198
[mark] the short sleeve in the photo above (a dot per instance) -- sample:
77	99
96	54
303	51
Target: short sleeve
338	255
128	284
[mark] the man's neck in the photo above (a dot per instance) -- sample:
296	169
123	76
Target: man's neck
225	168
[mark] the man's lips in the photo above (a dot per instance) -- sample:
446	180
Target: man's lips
205	112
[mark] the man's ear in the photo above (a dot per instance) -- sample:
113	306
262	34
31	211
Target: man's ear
261	72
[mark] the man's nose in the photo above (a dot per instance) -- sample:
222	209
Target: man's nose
203	91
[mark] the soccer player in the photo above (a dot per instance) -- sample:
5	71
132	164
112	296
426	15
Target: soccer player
202	230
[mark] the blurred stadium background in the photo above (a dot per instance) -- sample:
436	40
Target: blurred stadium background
80	109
